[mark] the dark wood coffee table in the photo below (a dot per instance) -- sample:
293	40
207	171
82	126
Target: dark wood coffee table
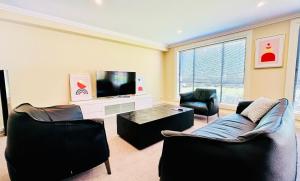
143	128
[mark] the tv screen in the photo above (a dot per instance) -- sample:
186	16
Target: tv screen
115	83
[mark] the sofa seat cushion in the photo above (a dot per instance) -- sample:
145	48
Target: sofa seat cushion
228	127
199	107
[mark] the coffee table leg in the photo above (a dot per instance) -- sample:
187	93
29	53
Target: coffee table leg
107	165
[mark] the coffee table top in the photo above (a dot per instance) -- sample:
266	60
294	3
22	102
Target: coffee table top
151	114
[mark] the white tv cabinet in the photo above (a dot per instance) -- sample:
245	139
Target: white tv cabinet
107	106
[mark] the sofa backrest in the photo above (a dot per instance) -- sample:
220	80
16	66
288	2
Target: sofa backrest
272	121
203	94
49	114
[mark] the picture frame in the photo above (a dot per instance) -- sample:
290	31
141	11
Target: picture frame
269	51
80	87
140	88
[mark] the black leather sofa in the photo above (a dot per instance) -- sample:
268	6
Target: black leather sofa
53	143
234	148
203	101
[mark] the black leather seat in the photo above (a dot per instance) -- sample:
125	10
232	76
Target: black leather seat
200	106
234	148
203	101
53	143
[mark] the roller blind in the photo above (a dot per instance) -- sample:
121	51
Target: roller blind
233	71
220	66
186	71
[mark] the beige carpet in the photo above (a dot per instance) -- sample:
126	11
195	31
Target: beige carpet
127	163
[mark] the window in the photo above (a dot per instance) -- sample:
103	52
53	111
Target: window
186	69
219	66
297	80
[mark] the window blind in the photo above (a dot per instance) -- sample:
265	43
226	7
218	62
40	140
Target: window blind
233	71
220	66
186	69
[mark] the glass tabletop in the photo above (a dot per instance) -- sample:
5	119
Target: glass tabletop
154	113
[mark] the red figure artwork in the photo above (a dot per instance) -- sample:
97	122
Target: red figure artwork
268	56
140	88
81	85
269	51
82	88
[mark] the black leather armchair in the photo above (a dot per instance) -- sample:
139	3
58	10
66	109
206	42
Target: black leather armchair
53	143
203	101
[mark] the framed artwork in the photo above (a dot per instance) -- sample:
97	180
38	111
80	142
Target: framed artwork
80	87
140	85
269	52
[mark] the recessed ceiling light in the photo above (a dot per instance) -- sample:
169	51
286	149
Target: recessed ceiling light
260	4
179	32
98	2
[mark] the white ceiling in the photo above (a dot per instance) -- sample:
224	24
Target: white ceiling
159	20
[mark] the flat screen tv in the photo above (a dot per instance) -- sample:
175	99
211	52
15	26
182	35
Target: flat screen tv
115	83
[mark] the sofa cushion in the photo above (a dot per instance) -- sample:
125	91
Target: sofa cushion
199	107
228	127
257	109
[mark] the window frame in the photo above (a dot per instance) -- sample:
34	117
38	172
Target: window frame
247	35
292	62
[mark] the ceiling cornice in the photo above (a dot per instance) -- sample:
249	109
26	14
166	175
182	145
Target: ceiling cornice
31	18
235	30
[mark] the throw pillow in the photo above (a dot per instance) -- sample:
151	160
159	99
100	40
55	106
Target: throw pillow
258	108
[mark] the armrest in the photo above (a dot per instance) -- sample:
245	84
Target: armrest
88	132
86	138
213	104
86	143
185	97
180	154
242	105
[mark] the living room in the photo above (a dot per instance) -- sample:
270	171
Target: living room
235	51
